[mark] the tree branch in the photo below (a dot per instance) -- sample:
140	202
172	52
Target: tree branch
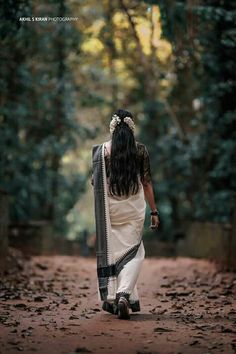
132	24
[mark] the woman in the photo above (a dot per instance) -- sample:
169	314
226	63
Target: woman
122	181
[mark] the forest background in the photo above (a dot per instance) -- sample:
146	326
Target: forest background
171	63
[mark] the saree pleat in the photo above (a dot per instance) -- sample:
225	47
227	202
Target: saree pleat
119	227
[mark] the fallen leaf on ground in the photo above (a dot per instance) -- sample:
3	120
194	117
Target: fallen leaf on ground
163	330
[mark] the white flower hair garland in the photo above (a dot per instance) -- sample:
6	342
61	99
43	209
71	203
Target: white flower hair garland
116	121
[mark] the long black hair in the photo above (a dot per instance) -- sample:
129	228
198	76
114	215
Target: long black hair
124	159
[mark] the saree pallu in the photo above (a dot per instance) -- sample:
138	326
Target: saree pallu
119	227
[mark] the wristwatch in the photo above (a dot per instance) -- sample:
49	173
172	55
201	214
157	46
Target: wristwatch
156	212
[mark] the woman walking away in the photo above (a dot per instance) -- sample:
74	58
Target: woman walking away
122	181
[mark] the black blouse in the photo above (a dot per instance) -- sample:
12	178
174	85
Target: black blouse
144	163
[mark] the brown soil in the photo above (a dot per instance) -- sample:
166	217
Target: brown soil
51	306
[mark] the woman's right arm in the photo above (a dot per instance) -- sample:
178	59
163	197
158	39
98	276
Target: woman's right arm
148	188
149	196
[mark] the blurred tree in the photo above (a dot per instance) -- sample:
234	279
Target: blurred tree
38	125
198	174
169	62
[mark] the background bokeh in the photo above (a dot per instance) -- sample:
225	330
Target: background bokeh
171	63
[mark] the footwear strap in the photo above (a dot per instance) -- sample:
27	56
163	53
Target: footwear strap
123	294
123	299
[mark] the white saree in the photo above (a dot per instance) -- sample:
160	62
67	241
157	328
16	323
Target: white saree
119	227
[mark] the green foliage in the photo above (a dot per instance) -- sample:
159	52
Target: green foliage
37	116
184	101
197	178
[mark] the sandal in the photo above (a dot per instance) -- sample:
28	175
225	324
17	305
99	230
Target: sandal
110	307
123	308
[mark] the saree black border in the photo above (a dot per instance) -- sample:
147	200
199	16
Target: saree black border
101	230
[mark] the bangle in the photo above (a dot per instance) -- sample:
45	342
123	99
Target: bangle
156	212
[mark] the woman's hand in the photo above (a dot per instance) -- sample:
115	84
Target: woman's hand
154	222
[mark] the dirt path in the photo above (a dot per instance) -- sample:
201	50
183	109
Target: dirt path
51	306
